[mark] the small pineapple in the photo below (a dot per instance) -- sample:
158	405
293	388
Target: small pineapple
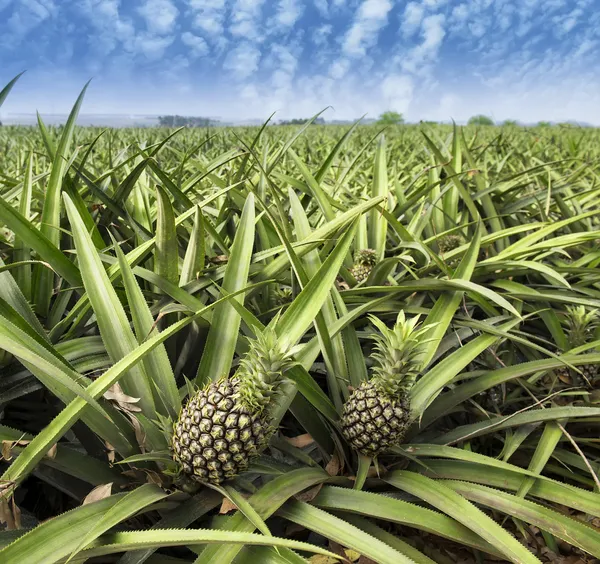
377	413
226	424
450	242
364	261
581	326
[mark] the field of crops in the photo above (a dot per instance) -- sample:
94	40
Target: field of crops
289	344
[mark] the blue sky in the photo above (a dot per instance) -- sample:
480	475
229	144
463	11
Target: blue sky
236	59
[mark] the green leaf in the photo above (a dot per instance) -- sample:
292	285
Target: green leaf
166	250
342	532
193	262
50	221
293	323
6	90
570	530
377	224
448	501
126	507
399	511
112	321
157	364
220	345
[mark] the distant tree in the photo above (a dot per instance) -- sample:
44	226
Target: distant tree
390	118
185	121
481	120
301	121
544	124
510	123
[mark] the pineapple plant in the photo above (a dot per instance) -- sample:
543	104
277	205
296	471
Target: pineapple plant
364	261
377	413
226	424
581	326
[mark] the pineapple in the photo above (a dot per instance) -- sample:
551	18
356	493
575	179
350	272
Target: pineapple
581	326
450	242
226	424
364	261
377	413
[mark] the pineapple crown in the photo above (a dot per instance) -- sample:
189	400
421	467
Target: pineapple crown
262	369
367	257
581	325
398	354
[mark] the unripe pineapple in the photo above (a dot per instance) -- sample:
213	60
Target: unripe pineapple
364	261
226	424
450	242
377	413
581	326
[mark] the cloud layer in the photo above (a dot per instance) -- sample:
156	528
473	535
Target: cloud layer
238	59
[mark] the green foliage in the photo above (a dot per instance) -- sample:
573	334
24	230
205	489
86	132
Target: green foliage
390	118
139	266
480	120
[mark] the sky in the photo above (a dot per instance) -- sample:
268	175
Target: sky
527	60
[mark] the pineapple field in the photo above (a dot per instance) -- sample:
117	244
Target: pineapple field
299	344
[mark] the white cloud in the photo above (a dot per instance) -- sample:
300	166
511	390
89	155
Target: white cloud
153	47
245	19
397	92
371	16
426	53
198	46
339	68
321	34
411	21
160	15
242	61
208	15
322	7
29	14
460	13
286	15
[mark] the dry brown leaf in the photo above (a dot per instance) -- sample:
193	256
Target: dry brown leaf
123	401
227	506
110	452
140	434
7	447
10	514
6	515
300	441
16	513
52	452
310	494
99	492
153	477
333	466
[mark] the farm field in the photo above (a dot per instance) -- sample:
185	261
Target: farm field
299	343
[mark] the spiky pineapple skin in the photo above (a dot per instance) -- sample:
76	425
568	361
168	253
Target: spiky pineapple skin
364	261
216	436
373	421
589	376
450	242
361	272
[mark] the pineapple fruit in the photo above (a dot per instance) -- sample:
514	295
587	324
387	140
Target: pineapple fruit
581	326
226	424
377	413
450	242
364	261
